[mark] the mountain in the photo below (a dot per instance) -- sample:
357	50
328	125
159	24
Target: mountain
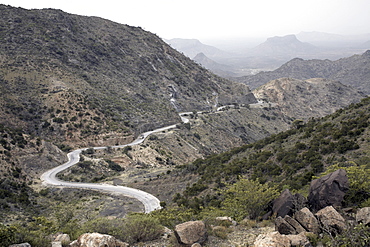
285	46
352	71
217	68
57	66
304	99
330	40
192	47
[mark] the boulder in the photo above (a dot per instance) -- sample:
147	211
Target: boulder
363	216
295	224
191	232
64	238
272	239
284	227
20	245
225	220
328	190
283	205
306	218
196	245
97	240
331	220
300	240
56	244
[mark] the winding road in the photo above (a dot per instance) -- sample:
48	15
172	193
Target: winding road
150	202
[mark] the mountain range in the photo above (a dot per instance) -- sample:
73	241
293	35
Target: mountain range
352	71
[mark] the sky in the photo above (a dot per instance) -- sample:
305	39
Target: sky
221	19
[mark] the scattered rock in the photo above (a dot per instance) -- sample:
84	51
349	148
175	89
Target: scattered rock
306	218
298	227
191	232
97	240
328	190
227	220
56	244
64	238
284	227
331	220
272	239
20	245
300	240
363	216
196	245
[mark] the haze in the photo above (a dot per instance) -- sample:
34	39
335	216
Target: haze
232	19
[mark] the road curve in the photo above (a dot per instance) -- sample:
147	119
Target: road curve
149	201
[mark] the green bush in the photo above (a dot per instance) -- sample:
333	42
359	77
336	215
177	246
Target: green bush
140	228
247	198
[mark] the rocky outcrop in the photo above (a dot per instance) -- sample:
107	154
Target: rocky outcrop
295	224
328	190
363	216
272	239
284	227
191	232
97	240
331	220
306	218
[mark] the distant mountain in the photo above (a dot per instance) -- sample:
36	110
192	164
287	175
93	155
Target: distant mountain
303	99
332	40
192	47
283	46
353	71
217	68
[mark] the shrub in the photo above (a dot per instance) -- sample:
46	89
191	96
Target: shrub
141	228
247	198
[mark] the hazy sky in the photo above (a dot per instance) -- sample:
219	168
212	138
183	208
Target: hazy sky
222	19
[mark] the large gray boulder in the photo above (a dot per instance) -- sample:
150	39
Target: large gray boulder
328	190
306	218
363	216
191	232
287	203
331	220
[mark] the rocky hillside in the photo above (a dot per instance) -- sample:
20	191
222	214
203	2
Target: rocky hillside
353	71
122	76
303	99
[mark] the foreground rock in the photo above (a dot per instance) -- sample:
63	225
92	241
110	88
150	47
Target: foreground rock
363	216
331	220
97	240
328	190
306	218
191	232
287	203
272	239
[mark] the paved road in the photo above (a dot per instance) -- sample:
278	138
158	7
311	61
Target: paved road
150	202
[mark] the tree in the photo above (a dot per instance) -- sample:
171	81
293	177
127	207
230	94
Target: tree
247	198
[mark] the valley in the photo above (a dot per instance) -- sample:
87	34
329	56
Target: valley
110	116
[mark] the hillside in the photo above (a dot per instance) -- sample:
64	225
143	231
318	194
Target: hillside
128	78
303	99
289	159
352	71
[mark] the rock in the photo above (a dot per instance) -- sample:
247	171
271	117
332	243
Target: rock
283	205
196	245
363	216
328	190
97	240
225	220
299	240
272	239
331	220
306	218
284	227
64	238
20	245
56	244
295	224
191	232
